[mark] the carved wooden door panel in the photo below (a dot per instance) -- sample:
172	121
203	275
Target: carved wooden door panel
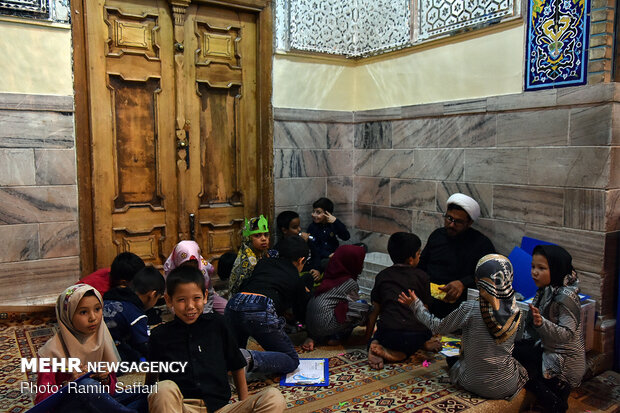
174	114
223	180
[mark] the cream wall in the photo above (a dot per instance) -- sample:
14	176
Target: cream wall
487	65
36	59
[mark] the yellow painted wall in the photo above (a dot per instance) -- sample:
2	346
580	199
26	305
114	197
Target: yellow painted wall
35	59
487	65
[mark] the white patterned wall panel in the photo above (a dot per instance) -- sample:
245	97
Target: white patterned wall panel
57	11
363	27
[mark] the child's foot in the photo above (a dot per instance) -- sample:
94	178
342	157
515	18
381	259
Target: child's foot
386	354
375	361
308	344
333	342
434	345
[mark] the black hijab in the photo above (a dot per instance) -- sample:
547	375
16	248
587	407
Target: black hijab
559	260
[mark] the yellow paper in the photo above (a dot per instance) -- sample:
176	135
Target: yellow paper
436	292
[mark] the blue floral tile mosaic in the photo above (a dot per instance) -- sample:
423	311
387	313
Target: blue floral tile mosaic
557	43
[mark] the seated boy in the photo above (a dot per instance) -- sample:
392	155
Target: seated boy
258	309
124	312
399	334
225	264
124	266
206	344
289	225
325	229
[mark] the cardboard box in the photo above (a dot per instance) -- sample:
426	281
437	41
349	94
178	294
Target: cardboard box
588	307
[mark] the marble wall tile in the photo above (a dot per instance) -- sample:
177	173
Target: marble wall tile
21	242
305	214
602	92
586	247
424	223
416	133
574	167
303	135
59	239
340	135
363	162
22	205
505	235
584	209
23	101
298	191
362	214
345	213
528	100
55	166
465	106
469	131
340	189
372	190
393	163
533	128
413	194
615	125
28	281
419	111
612	210
482	193
290	163
539	205
614	168
308	115
373	135
287	163
438	164
590	284
496	166
373	115
22	129
16	167
375	241
591	126
388	220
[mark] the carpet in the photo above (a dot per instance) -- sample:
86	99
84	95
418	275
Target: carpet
411	386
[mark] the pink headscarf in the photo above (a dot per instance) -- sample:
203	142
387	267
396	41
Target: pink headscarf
185	251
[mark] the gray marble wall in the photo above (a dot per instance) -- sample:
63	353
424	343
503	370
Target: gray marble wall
542	164
38	198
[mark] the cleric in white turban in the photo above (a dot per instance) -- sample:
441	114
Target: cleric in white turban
452	251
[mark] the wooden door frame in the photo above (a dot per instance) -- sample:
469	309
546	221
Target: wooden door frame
83	133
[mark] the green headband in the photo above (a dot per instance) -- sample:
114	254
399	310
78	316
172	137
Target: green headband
263	227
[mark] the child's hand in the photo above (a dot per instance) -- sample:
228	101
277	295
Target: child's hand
330	218
316	275
304	235
536	317
76	374
407	299
103	377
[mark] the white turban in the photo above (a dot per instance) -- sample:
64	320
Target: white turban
467	203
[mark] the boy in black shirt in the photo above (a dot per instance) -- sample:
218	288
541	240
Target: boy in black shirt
257	310
206	344
399	333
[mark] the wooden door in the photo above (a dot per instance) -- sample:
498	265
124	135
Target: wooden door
175	126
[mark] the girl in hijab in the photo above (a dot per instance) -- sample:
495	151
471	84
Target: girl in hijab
485	366
255	245
336	309
552	349
187	253
82	335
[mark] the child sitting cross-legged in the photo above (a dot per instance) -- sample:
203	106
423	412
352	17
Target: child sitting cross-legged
399	333
124	312
81	334
485	365
206	344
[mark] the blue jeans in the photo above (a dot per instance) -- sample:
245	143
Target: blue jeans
96	399
254	315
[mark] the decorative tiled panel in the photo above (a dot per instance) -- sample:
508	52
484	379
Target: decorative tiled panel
55	10
439	17
556	43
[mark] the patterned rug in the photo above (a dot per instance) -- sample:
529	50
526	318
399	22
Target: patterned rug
419	385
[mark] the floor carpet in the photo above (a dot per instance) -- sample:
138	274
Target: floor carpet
412	386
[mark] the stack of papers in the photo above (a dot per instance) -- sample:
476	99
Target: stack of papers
450	346
311	372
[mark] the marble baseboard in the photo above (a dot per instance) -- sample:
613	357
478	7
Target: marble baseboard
26	281
308	115
48	103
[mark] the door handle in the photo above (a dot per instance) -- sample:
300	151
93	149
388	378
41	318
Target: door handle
192	221
183	144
